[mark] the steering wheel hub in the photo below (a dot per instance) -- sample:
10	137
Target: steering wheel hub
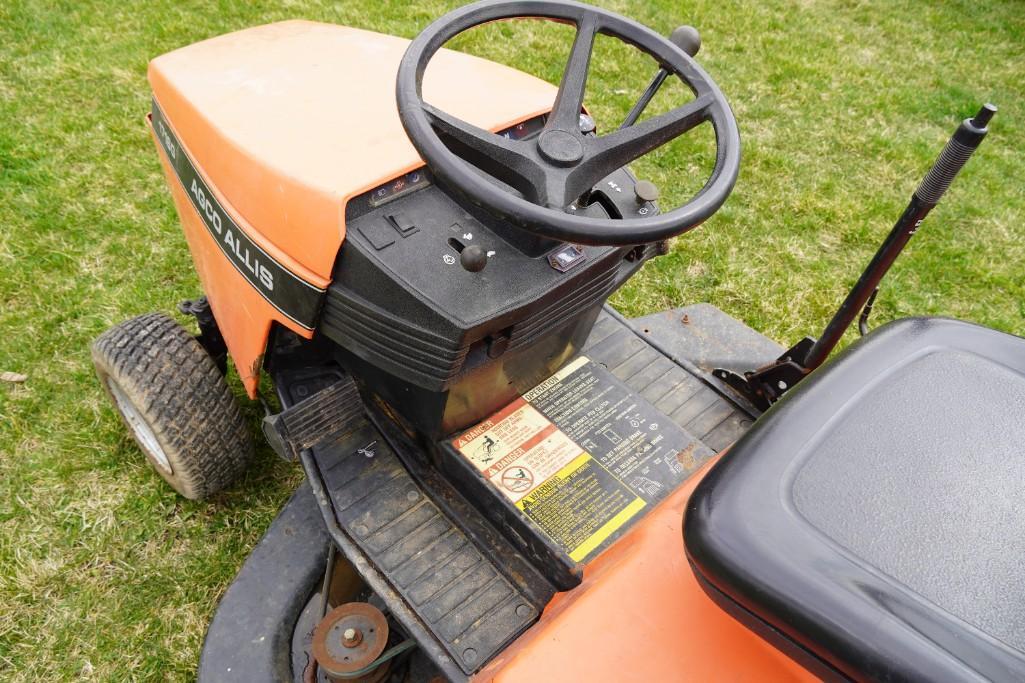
560	148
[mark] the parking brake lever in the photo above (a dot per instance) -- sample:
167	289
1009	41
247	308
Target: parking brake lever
687	39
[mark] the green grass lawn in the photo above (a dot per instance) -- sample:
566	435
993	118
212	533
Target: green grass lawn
106	574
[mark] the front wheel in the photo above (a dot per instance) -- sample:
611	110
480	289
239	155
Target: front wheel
175	402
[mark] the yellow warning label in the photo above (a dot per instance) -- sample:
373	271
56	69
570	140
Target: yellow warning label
558	485
581	505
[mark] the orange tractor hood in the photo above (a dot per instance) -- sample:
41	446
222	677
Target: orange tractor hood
289	120
286	122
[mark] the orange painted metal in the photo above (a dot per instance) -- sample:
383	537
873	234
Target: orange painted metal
287	122
243	315
640	615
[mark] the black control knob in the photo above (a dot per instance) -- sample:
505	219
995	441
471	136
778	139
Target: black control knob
686	38
646	191
473	258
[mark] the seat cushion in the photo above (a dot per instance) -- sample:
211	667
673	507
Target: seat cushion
873	521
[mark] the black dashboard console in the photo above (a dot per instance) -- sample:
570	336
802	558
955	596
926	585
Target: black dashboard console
449	299
452	338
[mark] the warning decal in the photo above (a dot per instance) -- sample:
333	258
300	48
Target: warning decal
581	506
580	455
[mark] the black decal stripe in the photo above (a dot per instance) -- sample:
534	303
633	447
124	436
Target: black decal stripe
294	297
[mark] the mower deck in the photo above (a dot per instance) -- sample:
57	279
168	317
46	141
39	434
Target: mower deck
447	575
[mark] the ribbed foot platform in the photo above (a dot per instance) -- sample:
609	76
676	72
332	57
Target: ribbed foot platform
462	590
456	592
640	354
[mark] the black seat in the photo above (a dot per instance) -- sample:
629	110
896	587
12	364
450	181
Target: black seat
872	523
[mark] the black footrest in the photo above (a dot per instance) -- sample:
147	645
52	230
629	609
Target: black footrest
450	594
330	414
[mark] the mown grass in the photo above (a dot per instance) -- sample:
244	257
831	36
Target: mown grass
105	574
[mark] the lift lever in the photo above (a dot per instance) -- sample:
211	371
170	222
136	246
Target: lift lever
767	384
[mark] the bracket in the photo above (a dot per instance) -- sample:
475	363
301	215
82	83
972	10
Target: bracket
209	335
767	384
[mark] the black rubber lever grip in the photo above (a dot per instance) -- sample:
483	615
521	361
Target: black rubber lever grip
954	156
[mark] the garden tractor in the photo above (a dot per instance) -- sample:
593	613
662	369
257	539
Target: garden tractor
506	479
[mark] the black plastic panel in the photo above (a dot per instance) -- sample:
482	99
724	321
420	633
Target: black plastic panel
403	301
405	312
462	597
873	515
685	409
249	639
691	398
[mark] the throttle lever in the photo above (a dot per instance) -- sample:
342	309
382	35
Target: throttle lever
687	39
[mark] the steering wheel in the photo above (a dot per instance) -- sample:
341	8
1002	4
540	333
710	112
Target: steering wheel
555	168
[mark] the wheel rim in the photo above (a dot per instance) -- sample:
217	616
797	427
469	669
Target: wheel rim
141	429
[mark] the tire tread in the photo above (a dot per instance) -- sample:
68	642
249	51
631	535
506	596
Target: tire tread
177	387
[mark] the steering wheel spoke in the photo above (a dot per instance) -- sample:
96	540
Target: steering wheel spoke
622	146
510	161
570	98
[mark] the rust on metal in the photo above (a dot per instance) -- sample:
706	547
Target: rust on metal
350	638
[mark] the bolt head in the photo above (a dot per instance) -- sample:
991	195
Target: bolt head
351	637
